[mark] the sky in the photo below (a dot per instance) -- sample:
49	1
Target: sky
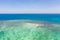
29	6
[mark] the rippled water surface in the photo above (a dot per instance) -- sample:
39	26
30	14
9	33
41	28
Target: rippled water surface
29	30
29	26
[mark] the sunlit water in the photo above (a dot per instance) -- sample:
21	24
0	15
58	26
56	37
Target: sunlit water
29	30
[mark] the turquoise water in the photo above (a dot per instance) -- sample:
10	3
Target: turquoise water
44	17
17	30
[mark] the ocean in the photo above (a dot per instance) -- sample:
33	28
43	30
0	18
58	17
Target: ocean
29	26
44	17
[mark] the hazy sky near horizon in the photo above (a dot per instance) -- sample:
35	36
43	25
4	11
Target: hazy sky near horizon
29	6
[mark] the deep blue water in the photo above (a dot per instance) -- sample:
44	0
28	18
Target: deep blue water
44	17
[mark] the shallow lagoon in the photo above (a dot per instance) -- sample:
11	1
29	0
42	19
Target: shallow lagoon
29	30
